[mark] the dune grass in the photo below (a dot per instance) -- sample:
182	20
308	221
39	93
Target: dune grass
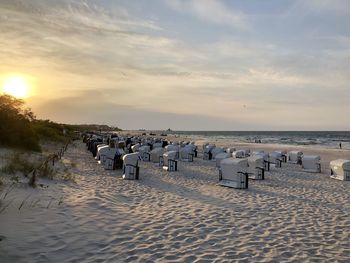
17	163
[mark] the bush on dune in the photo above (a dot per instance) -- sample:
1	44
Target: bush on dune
49	130
16	124
20	129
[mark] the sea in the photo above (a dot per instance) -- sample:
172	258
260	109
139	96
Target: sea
323	139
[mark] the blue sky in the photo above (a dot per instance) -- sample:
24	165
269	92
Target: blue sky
196	64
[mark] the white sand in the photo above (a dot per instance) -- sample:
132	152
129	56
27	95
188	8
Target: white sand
178	217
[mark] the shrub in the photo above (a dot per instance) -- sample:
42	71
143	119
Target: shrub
48	130
16	129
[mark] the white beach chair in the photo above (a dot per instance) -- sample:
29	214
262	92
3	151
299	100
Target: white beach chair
130	166
101	153
295	157
234	173
256	166
121	144
135	148
100	146
230	150
155	154
238	154
173	147
169	161
144	153
215	151
283	155
265	156
275	158
157	145
311	163
340	169
110	161
187	154
195	151
207	154
191	146
220	156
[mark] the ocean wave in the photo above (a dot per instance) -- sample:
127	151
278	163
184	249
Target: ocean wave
323	139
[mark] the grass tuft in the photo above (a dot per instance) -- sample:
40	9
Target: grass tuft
18	164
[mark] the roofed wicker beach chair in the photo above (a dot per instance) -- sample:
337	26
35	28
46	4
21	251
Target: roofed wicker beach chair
283	155
135	148
215	151
311	163
234	173
173	147
169	161
265	156
114	159
93	147
144	153
207	154
101	153
194	148
230	150
157	145
155	154
295	157
221	156
275	158
238	154
130	166
187	154
256	166
340	169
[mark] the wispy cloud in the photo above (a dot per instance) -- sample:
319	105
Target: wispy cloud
212	11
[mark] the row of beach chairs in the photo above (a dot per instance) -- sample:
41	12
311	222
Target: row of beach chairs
125	153
236	167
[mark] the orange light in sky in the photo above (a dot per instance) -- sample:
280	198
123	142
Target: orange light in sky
16	86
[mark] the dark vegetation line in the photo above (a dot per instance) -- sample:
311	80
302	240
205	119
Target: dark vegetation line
19	128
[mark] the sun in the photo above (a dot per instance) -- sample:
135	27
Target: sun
16	86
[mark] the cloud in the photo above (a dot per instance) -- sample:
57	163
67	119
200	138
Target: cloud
338	7
74	36
98	64
212	11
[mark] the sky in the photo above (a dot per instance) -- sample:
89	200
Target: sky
182	64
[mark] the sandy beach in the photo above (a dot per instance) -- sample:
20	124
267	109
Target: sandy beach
183	216
81	79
